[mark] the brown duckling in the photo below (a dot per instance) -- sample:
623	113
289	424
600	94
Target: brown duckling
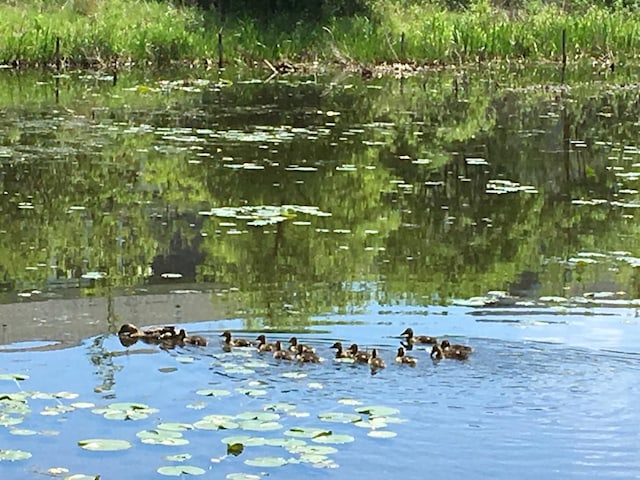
375	362
235	342
456	346
412	339
262	345
294	346
438	353
340	353
357	355
279	353
184	339
306	356
401	357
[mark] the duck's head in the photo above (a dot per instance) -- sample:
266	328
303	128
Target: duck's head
226	334
261	339
353	348
293	341
277	345
337	345
128	329
408	332
445	344
374	353
437	352
400	352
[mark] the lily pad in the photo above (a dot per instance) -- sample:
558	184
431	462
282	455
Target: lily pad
174	426
285	442
259	425
378	411
14	376
81	476
104	444
280	407
245	440
266	462
264	416
13	455
212	392
242	476
334	438
339	417
294	375
22	431
181	457
216	422
381	434
312	449
304	432
179	470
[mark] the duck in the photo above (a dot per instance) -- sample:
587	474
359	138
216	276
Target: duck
279	353
375	362
412	339
130	334
184	339
294	346
455	346
438	353
235	342
262	345
340	353
357	355
306	356
402	358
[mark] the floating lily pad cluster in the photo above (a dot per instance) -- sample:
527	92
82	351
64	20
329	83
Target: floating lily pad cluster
263	215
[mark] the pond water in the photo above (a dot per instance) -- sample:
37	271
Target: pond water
496	208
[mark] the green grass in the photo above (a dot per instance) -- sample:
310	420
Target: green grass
95	32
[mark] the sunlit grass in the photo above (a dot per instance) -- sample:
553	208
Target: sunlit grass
95	32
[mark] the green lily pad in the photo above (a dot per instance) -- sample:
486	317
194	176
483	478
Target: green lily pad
294	375
245	440
216	422
213	392
185	359
279	407
378	411
22	431
381	434
312	449
80	476
310	432
83	405
264	416
334	438
285	442
349	401
104	444
125	411
266	462
242	476
181	457
259	425
13	376
339	417
251	392
377	422
174	426
6	420
179	470
13	455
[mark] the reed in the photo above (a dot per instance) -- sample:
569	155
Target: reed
95	32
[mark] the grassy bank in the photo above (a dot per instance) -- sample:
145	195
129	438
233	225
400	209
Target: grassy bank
94	32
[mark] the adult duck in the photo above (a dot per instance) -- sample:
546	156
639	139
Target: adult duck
438	353
234	342
411	339
403	358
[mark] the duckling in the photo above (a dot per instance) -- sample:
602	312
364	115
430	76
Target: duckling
412	339
406	359
340	353
306	356
294	346
456	346
279	353
262	345
375	362
236	342
184	339
438	353
357	355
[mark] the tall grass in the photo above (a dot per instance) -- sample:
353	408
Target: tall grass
95	32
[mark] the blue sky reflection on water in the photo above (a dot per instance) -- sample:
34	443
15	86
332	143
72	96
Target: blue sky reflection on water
543	395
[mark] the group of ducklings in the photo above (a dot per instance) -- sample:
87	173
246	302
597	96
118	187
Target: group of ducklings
169	336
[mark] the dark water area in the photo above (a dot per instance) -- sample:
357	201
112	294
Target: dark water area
496	208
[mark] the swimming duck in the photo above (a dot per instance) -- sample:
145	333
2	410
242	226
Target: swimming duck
294	346
129	334
456	346
235	342
306	356
412	339
262	345
357	355
184	339
406	359
438	353
340	353
279	353
375	362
